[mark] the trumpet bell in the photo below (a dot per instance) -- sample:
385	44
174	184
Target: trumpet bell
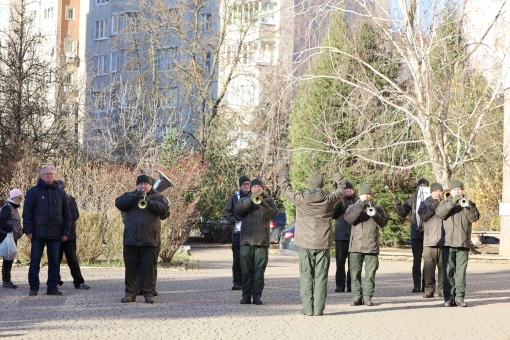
464	203
370	211
142	204
257	199
162	183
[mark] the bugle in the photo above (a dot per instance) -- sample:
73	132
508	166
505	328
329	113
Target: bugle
370	210
142	204
257	198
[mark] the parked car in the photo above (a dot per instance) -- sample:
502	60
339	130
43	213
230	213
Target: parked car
287	246
276	227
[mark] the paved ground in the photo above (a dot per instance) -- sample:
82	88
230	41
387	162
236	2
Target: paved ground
197	304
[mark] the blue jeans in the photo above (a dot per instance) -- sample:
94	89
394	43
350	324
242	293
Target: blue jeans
52	250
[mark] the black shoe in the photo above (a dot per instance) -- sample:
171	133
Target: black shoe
33	293
449	303
155	293
428	296
257	300
462	303
416	290
128	299
339	289
368	302
236	287
9	284
82	286
356	302
245	301
149	299
60	284
53	292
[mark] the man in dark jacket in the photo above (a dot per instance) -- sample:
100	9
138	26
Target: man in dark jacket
314	209
235	221
254	240
432	232
342	237
458	215
69	247
46	222
366	219
142	235
416	234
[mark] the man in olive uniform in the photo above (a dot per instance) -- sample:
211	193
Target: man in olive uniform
342	236
254	240
416	234
457	222
142	235
432	232
235	221
364	244
314	208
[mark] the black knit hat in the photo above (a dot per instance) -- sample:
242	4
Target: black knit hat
144	178
256	181
348	185
243	179
316	181
423	180
436	186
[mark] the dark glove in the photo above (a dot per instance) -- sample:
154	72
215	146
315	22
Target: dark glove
397	201
232	219
148	200
285	170
456	198
264	204
8	228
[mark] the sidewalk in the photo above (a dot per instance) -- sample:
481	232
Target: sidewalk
198	304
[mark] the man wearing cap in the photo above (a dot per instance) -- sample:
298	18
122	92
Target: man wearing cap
46	222
10	222
416	234
235	221
457	222
432	232
364	244
142	235
254	240
342	236
314	208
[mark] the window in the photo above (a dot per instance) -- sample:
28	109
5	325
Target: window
32	16
99	102
258	11
206	23
167	97
69	46
68	82
127	61
166	58
130	21
100	30
113	62
115	24
48	13
207	63
101	2
70	13
231	54
98	67
266	52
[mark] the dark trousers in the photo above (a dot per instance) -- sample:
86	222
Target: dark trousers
236	265
52	249
342	254
313	273
142	257
418	279
253	265
6	265
455	261
371	266
432	258
139	276
69	249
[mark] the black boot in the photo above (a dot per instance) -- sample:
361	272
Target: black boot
246	300
257	300
340	289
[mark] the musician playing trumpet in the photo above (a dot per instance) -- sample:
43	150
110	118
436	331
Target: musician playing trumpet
432	232
458	214
366	219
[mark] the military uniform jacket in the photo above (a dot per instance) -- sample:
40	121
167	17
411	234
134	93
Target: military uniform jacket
255	221
142	227
457	222
314	209
410	207
432	224
365	229
342	227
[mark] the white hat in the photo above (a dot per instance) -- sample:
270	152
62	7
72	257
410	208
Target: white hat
15	193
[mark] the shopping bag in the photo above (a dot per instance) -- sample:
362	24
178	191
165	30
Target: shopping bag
8	248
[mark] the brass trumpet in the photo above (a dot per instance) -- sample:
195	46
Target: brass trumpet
256	198
142	204
370	210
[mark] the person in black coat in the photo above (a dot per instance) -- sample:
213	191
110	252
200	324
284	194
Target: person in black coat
10	222
69	247
46	222
142	235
